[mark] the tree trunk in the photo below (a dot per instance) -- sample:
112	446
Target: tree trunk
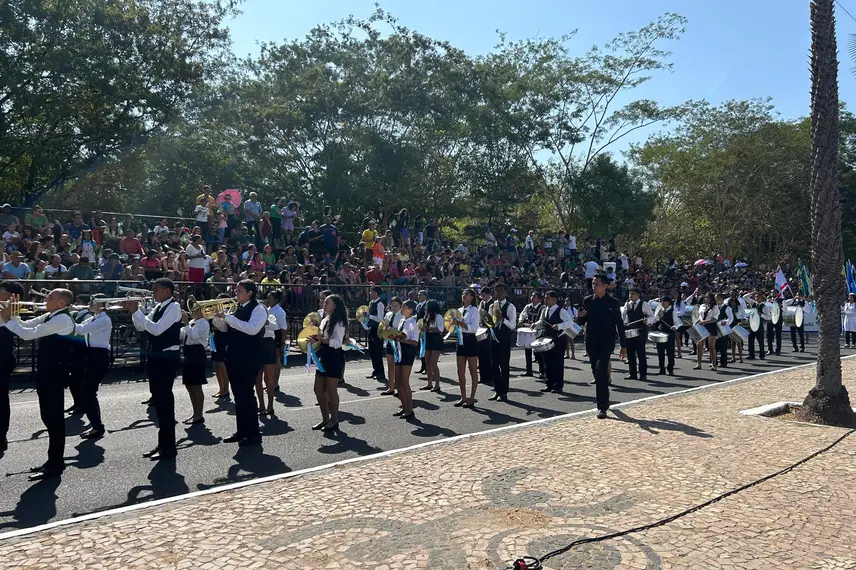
828	401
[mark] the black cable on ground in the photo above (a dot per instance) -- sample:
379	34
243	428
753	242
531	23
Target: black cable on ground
531	563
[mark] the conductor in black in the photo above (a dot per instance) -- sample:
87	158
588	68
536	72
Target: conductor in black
246	328
602	314
162	326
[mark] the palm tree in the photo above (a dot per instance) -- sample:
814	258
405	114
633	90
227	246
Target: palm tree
827	402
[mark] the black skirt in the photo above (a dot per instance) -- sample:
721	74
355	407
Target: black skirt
434	341
389	350
332	361
469	348
268	352
219	355
711	328
408	354
193	370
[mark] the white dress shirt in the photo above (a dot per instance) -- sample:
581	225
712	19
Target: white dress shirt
171	315
39	328
410	328
741	308
471	319
439	323
96	330
396	320
337	338
511	321
277	315
380	311
712	315
258	319
195	332
567	321
726	315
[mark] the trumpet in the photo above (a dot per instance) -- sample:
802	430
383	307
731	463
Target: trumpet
135	292
211	307
24	307
41	294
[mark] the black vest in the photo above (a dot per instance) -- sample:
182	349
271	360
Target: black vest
373	311
54	352
7	346
244	347
168	338
555	319
666	321
421	310
635	315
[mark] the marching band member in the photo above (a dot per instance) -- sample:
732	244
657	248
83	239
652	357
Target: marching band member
467	352
78	359
218	358
600	312
194	338
738	308
484	347
757	301
376	313
668	323
163	329
244	359
501	347
322	313
849	321
678	307
276	312
95	330
797	301
332	359
708	316
52	363
637	314
775	330
696	299
267	376
555	320
574	312
726	318
392	319
528	317
407	354
421	309
8	290
433	344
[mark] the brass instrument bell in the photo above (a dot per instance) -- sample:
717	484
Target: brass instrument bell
209	308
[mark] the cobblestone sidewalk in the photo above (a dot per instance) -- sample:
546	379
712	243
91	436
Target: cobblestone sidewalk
481	502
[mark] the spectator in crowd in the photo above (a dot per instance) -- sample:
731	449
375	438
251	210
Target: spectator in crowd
7	217
14	268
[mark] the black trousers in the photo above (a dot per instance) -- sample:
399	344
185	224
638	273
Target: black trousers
538	358
501	359
849	336
97	364
162	368
6	369
50	388
759	338
636	353
554	362
794	332
599	353
722	349
377	354
242	379
666	350
774	330
78	373
485	362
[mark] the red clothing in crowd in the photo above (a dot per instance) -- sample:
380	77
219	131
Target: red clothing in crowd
131	246
374	275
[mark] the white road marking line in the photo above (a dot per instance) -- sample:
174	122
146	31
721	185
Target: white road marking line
381	455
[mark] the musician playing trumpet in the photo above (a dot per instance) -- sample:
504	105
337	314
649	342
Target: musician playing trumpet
194	336
94	330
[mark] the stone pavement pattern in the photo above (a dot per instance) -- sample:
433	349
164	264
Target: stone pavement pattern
481	502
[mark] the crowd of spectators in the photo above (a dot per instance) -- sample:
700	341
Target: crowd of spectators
277	246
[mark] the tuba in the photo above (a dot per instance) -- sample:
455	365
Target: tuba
211	307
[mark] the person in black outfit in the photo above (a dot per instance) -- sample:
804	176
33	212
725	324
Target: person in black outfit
246	328
555	320
52	365
421	304
78	359
7	362
95	332
797	301
484	347
759	304
602	314
501	347
726	318
775	330
528	317
162	327
638	313
376	314
667	324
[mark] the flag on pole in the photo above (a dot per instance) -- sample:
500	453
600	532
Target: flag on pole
850	277
805	278
781	281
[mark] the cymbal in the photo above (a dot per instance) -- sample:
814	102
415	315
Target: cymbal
386	332
303	338
311	320
362	312
449	319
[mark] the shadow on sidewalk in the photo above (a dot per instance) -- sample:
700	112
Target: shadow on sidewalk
656	426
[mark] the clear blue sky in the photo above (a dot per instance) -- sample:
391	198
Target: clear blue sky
732	49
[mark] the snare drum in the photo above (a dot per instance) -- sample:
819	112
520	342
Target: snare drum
632	333
690	315
573	330
752	320
482	333
525	336
658	337
739	335
722	330
542	344
698	332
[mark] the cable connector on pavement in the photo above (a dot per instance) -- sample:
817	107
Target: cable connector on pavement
526	563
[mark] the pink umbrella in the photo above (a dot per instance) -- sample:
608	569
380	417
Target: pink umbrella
699	262
235	194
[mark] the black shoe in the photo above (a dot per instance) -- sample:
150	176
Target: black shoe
796	349
4	445
802	350
372	375
151	453
556	391
750	358
46	474
494	396
671	372
255	440
164	454
147	402
643	378
233	438
503	397
74	411
546	389
37	468
334	427
528	373
601	414
593	383
421	371
321	425
631	377
92	434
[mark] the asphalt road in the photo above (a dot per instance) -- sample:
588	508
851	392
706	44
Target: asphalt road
111	472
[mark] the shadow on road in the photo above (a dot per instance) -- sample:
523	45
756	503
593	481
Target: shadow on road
656	426
36	506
